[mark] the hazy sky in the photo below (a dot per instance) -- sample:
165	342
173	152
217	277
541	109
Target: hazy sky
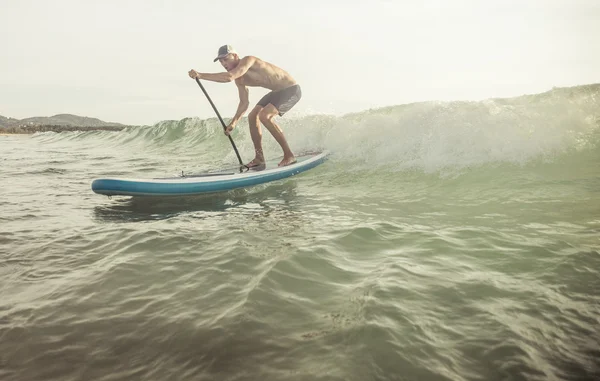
127	61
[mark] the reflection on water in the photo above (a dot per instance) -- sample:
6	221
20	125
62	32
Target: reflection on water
135	209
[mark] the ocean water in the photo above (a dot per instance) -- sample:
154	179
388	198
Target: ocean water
440	241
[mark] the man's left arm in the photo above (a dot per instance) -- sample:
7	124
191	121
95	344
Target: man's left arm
241	69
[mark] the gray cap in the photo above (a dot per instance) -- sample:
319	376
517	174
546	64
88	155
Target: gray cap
223	51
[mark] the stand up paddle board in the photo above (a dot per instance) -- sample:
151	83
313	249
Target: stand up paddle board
207	182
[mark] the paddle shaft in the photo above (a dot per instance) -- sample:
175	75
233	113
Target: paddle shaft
221	119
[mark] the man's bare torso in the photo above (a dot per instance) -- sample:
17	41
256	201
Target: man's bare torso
265	74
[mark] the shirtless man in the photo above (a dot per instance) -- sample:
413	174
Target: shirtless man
252	71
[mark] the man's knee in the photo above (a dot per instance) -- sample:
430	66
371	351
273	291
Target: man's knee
253	115
255	111
265	116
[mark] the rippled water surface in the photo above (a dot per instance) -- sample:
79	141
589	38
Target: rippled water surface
439	242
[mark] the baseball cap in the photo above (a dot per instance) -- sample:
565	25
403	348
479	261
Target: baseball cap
223	51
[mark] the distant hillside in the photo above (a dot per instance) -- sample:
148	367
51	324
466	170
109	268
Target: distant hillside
57	123
6	122
56	120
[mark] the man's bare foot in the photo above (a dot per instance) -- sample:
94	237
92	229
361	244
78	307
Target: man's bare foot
287	161
256	162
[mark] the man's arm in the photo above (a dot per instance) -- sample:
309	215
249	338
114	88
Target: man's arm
241	69
243	105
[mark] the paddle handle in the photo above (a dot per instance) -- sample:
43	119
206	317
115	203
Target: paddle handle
221	119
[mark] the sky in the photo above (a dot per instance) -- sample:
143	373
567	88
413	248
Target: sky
127	61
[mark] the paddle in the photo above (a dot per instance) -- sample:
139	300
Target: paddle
221	119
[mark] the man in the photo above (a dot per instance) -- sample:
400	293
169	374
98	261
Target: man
252	71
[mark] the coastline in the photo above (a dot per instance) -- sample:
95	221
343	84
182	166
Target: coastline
29	130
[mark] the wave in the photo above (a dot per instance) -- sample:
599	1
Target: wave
428	136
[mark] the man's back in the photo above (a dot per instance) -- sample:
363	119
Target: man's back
265	74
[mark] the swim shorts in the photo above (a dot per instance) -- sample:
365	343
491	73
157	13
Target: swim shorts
283	99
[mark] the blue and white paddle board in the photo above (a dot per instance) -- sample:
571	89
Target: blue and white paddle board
207	182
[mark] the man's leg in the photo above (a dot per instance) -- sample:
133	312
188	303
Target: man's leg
266	116
256	134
